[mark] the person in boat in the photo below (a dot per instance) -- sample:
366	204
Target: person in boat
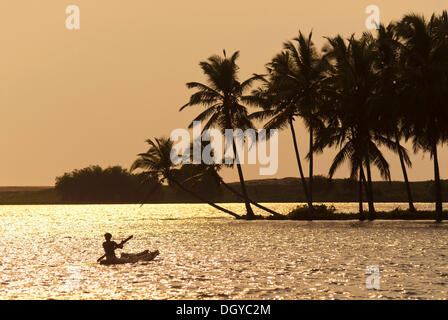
110	247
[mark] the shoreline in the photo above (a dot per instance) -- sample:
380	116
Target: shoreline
299	213
395	215
287	190
38	203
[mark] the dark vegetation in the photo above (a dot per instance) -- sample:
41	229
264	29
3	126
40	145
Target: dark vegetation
96	185
322	212
360	95
268	190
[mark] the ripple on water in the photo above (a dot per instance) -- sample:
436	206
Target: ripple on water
50	252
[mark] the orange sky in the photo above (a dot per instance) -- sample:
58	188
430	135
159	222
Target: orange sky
69	99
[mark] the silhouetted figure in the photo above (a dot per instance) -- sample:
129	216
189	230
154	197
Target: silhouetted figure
110	247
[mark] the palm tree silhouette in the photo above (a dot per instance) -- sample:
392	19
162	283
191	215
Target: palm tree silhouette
278	109
222	97
212	171
293	90
360	95
307	74
156	163
425	86
352	114
388	55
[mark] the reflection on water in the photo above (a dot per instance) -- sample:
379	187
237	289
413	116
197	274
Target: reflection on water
50	252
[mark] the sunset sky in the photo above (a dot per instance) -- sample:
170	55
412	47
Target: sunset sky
72	98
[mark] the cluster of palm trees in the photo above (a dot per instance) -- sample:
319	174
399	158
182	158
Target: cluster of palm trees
358	95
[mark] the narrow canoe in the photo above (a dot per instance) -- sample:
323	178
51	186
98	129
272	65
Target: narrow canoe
133	257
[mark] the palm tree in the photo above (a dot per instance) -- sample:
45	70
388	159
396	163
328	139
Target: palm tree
352	114
222	97
295	76
426	79
439	28
281	111
388	65
156	164
307	74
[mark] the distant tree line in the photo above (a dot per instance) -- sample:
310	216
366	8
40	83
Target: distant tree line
110	185
117	185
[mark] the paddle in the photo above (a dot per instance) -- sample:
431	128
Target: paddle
121	243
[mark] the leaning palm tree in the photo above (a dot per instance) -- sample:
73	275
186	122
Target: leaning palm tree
156	164
426	81
222	97
211	172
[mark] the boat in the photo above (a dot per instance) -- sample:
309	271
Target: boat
133	257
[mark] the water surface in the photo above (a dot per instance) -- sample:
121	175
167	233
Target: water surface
50	252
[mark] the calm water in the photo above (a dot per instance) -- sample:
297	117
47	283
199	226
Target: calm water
50	252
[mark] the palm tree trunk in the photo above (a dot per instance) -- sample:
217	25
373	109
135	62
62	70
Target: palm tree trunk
405	174
250	213
299	163
194	194
370	192
275	214
364	183
361	180
310	182
438	186
149	194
